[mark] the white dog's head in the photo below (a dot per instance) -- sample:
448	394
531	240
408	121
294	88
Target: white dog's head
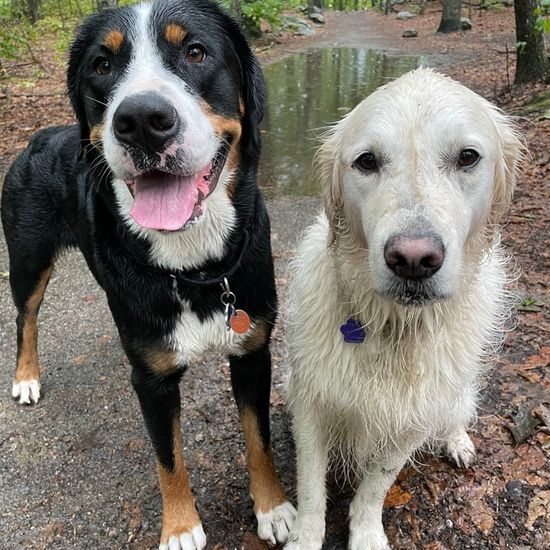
413	177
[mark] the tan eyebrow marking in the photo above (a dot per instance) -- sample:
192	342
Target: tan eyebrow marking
175	34
113	40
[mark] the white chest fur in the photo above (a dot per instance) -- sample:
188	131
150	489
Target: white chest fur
416	374
193	336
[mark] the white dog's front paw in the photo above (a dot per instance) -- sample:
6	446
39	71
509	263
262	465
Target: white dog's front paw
275	525
190	540
27	391
460	449
368	540
307	534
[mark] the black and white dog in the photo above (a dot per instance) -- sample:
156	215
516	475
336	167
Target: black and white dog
157	187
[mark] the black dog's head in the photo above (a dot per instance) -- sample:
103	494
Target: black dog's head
172	97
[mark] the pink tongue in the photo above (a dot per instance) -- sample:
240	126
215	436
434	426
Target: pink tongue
164	201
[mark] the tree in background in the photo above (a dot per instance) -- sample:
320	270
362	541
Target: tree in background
450	20
106	4
236	10
532	61
311	4
32	10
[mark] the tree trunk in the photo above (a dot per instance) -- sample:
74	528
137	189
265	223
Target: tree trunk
532	62
33	10
450	20
316	3
106	4
236	11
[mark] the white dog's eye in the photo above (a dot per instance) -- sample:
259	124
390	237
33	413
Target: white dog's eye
468	158
366	162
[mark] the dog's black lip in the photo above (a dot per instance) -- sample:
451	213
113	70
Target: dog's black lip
218	163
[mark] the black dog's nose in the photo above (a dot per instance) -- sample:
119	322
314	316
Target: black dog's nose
414	257
146	120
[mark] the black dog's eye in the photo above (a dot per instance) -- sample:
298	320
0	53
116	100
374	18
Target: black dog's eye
195	54
468	158
366	162
102	66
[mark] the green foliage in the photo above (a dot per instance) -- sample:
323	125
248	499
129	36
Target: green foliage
255	11
268	10
15	39
542	22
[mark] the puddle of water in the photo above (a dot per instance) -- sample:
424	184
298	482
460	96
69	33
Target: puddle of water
308	91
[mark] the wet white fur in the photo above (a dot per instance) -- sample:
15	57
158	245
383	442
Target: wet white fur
274	526
415	379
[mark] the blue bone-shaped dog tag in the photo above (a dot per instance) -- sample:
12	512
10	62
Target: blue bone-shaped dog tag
353	332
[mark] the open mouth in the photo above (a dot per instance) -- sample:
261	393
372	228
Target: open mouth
173	202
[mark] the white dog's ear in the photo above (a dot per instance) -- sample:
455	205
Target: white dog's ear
512	152
327	160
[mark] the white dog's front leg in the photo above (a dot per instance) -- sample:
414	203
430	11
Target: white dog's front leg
311	465
366	530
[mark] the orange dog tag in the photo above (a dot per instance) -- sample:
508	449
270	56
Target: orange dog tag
240	321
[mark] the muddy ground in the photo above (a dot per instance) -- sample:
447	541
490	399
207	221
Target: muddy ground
77	470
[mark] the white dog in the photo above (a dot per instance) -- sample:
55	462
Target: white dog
398	295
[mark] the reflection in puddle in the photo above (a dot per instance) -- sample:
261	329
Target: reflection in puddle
306	92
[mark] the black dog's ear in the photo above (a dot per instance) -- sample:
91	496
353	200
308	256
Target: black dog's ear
253	91
74	73
254	97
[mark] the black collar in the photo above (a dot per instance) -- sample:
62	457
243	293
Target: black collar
215	272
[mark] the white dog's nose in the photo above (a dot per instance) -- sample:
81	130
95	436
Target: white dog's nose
414	257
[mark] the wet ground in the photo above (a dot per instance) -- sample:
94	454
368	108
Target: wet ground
77	470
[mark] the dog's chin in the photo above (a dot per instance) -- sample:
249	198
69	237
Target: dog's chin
413	294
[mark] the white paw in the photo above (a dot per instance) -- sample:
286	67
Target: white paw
460	449
274	526
368	540
299	544
27	391
307	534
195	540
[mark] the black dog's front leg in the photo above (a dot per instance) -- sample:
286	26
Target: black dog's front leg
251	380
155	377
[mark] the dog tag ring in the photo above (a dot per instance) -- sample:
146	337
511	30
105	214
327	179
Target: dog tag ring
236	320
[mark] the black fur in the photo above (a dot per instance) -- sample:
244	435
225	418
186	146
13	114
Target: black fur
57	194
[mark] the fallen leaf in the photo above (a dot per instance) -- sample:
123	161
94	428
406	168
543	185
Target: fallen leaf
538	507
252	542
481	515
525	422
536	361
530	304
396	497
